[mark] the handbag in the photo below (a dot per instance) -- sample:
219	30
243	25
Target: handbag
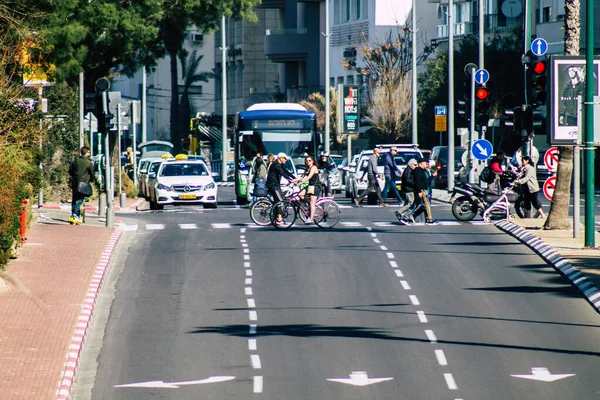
84	188
311	189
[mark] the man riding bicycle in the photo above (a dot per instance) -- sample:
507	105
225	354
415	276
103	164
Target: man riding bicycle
276	171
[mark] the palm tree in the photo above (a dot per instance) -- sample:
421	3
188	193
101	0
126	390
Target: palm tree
190	75
558	217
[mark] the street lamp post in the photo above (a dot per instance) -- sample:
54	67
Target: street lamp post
415	138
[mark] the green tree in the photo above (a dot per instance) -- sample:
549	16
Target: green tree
316	102
558	217
205	15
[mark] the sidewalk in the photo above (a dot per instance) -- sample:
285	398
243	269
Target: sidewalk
47	296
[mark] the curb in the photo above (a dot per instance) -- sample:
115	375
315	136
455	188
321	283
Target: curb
551	256
83	321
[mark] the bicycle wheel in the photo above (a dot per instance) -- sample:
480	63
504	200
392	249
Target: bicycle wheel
260	212
327	214
288	214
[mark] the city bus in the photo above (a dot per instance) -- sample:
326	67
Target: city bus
272	128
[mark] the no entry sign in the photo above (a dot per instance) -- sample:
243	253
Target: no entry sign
551	159
549	187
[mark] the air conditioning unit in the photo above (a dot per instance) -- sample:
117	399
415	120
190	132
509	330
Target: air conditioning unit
198	38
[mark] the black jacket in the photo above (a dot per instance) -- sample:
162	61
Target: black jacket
420	178
408	181
276	171
81	170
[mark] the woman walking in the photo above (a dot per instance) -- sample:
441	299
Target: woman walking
531	189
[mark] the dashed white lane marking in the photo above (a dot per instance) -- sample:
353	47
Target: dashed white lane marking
393	264
252	329
242	236
252	316
255	361
251	303
389	255
246	250
127	228
248	291
450	381
450	223
221	225
155	227
383	248
247	264
246	256
405	285
376	240
422	316
248	272
351	223
430	335
248	281
480	223
373	235
243	230
398	273
244	245
188	226
414	300
258	384
441	357
252	344
382	223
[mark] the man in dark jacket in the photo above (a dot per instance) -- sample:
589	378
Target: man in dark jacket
422	181
81	171
276	171
390	171
408	188
373	184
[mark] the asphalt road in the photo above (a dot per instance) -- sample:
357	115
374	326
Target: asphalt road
208	306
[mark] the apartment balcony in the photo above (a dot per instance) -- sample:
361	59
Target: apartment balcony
283	45
498	23
464	28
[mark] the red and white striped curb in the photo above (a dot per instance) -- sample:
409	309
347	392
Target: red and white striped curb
83	322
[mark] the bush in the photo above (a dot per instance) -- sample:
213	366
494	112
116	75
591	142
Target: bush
128	186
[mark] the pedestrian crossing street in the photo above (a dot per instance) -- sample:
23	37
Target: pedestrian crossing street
225	225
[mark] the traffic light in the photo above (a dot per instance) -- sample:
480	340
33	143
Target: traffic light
462	112
482	106
514	119
526	120
91	102
539	82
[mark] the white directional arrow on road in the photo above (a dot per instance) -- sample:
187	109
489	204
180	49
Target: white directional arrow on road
543	374
359	378
482	149
175	385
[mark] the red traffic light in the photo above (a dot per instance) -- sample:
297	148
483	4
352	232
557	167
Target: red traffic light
539	67
482	93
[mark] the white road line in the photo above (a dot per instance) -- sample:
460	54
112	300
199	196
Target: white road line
247	264
369	228
155	227
252	329
430	335
243	230
441	358
382	223
252	316
129	228
221	225
450	381
450	223
258	384
373	235
248	272
242	236
251	303
255	361
480	223
252	344
244	244
398	273
351	223
405	285
246	250
248	291
422	316
248	281
393	264
383	248
188	226
246	256
389	255
376	240
414	300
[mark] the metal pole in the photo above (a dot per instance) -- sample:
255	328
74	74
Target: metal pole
590	231
576	190
81	111
481	35
41	192
415	137
119	144
349	149
134	133
327	100
450	97
224	100
108	186
471	128
91	135
144	132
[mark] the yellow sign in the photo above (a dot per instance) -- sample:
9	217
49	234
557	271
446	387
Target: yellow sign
440	123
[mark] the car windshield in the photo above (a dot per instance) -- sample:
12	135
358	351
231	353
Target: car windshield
154	167
195	169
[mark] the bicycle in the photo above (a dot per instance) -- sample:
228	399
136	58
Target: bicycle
327	212
260	210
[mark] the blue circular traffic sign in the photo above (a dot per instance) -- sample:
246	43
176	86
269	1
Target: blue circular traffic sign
482	149
482	76
539	47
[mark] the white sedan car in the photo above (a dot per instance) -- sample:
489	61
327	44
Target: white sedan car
182	181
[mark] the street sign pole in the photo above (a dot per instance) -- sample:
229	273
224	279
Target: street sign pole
590	231
451	133
472	128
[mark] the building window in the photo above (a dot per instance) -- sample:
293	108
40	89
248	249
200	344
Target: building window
348	10
365	9
340	80
336	11
546	14
218	82
332	82
356	9
239	79
350	80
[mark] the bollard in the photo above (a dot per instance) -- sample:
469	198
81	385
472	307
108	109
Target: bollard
23	220
102	205
123	200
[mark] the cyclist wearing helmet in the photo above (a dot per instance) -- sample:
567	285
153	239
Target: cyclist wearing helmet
325	166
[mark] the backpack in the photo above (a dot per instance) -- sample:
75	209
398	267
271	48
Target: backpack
260	187
487	175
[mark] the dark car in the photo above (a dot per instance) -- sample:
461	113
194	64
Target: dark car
439	163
